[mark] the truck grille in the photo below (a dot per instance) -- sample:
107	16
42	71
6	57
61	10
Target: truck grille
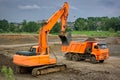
104	55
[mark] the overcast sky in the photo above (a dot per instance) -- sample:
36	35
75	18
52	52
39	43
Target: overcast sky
34	10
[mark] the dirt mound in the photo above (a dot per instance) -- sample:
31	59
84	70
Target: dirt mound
91	39
7	61
23	38
112	40
17	39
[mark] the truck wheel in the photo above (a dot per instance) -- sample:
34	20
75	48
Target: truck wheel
93	60
81	58
75	57
68	56
101	61
88	50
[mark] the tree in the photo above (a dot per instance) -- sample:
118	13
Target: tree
24	23
80	24
56	28
4	25
11	27
92	23
30	27
113	23
111	30
97	23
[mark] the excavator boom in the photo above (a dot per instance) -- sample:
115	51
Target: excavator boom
60	14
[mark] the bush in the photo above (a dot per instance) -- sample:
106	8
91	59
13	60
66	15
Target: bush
117	34
1	31
111	30
7	73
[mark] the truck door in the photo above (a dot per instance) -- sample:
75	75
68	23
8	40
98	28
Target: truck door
95	50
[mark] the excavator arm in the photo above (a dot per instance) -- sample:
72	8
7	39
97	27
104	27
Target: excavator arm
43	34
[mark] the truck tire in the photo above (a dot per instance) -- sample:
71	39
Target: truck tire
81	58
68	56
93	60
101	61
75	57
88	50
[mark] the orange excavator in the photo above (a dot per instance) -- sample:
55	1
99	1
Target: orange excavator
38	59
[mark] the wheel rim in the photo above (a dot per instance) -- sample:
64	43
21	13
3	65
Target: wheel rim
93	59
74	58
68	56
38	72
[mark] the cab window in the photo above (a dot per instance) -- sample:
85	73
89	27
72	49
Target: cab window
96	46
34	50
102	46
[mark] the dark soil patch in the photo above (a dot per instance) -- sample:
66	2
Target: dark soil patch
7	61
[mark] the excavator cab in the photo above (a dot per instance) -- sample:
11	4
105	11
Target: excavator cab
32	52
26	53
65	38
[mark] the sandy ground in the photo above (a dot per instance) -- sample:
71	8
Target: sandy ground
82	70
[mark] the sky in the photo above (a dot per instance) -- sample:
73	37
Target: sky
34	10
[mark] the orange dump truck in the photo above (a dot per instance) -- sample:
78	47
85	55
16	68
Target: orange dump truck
95	51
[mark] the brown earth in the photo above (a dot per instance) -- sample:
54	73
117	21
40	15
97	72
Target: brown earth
83	70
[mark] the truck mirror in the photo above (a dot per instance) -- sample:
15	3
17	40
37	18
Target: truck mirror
65	38
96	47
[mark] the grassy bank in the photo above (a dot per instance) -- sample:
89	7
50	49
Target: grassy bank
96	33
82	33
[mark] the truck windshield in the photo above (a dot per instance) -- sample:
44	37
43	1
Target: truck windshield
102	46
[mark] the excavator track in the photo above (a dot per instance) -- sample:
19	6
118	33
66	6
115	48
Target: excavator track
23	70
48	69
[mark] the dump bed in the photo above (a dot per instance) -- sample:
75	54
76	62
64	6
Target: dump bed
76	47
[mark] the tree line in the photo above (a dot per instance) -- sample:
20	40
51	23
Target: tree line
80	24
25	26
30	27
97	24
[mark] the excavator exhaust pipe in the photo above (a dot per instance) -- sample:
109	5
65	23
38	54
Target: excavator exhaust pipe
65	38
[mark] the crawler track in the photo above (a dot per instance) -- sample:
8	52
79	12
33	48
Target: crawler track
48	69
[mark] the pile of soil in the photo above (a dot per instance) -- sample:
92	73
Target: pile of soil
112	40
7	61
18	39
91	39
23	38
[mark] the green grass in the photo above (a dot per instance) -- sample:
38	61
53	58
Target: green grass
82	33
11	33
94	33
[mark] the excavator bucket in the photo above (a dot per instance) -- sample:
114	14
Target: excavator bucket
65	38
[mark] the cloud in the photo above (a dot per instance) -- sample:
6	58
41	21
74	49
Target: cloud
73	8
34	6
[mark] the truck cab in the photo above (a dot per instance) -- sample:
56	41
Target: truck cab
100	52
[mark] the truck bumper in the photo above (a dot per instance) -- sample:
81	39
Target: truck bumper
102	57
